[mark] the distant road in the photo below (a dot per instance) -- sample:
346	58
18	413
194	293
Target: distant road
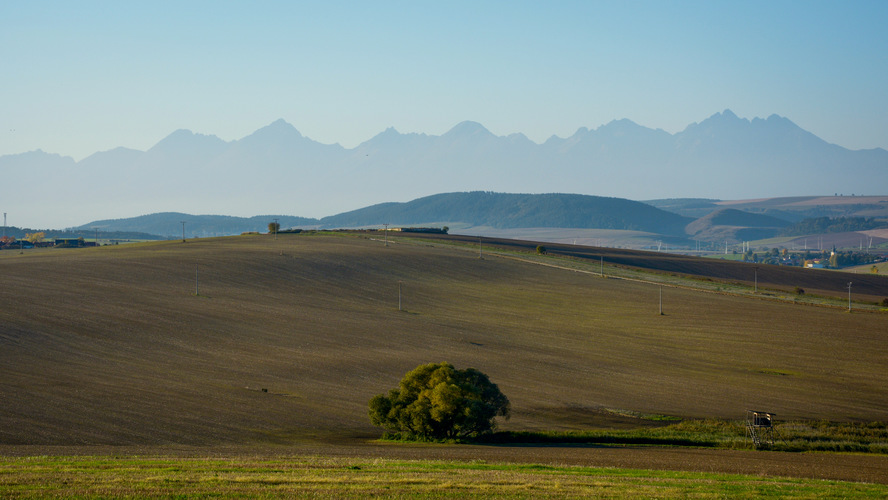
866	287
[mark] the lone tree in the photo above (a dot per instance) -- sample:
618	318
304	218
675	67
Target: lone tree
274	227
437	401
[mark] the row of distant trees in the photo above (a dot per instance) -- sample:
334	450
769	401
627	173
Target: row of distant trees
823	225
8	241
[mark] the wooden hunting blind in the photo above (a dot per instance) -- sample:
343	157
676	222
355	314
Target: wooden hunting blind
759	426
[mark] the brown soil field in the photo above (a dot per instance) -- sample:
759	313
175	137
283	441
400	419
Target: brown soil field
290	337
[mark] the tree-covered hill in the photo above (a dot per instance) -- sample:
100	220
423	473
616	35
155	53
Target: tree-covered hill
502	210
169	224
821	225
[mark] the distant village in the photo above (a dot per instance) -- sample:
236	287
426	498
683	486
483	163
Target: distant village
39	240
811	259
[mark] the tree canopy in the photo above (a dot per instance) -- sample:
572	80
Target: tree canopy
437	401
821	225
35	237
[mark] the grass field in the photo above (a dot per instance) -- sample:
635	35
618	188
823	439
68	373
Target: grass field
881	267
289	338
317	477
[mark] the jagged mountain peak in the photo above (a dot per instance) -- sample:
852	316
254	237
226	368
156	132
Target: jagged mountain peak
184	138
467	128
621	123
726	116
117	155
388	136
276	130
723	157
621	127
389	132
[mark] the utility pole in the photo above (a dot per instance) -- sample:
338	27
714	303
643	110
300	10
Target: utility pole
4	224
276	229
387	244
480	251
183	231
849	296
399	295
756	280
97	236
661	300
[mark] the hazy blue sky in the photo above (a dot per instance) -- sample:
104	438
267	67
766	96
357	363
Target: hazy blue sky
85	76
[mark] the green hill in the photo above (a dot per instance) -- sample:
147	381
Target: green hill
169	224
290	337
501	210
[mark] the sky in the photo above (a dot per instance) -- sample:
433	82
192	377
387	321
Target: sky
87	76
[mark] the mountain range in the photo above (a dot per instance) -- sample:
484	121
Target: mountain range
278	170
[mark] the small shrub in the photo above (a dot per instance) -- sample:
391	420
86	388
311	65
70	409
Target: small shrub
799	291
884	302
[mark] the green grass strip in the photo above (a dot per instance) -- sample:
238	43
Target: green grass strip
315	477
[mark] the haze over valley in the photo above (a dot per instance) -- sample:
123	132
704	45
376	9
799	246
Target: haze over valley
277	170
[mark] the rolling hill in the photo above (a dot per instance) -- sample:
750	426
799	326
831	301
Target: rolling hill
290	337
502	210
497	210
562	218
733	225
169	224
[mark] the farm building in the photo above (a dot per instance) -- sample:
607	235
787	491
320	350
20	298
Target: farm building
69	242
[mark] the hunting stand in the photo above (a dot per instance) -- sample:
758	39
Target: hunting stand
759	427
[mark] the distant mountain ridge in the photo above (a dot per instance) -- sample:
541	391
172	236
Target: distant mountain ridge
278	170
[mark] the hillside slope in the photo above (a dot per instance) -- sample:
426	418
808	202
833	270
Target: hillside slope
499	210
504	210
289	338
733	225
169	224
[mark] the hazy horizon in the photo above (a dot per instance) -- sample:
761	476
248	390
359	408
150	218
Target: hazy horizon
402	132
92	76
